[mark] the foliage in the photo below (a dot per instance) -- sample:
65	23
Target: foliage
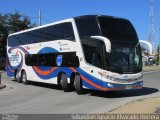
10	23
158	55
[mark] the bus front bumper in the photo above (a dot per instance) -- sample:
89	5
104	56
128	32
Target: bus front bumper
129	86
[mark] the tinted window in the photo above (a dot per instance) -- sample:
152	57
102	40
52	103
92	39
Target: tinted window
31	60
93	51
117	29
55	32
124	60
40	59
68	60
87	26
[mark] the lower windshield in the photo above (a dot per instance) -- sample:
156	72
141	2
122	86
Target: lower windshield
124	59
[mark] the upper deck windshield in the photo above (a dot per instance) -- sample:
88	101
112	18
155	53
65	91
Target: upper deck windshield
125	56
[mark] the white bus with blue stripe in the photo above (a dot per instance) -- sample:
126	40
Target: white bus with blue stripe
95	52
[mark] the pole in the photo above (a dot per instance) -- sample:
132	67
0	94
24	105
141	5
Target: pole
151	26
0	77
159	40
39	18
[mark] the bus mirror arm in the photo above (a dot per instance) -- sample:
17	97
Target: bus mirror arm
105	40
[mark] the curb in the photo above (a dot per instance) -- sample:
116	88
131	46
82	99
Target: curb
150	71
156	111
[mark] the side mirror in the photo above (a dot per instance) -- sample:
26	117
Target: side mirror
105	40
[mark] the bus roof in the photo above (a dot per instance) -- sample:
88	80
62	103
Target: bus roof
62	21
107	16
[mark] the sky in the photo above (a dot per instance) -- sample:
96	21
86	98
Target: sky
137	11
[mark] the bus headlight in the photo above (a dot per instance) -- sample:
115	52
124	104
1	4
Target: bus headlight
110	85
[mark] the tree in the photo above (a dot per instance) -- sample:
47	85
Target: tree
158	55
3	34
10	23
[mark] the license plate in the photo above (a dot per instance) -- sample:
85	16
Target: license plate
128	87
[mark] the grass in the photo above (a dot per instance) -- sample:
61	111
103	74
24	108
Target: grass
151	68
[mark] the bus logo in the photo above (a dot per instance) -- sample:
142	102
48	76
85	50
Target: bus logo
15	57
59	60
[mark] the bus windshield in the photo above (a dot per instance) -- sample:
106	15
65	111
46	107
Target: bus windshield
125	56
124	59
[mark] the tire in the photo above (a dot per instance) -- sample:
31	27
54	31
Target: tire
17	77
64	83
78	85
59	82
24	78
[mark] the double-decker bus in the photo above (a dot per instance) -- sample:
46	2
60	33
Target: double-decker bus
93	52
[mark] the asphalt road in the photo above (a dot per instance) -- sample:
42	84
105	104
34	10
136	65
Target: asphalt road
48	99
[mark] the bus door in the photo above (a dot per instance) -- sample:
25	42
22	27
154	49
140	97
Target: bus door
93	51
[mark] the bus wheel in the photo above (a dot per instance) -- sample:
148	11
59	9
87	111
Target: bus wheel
64	83
24	78
17	77
78	85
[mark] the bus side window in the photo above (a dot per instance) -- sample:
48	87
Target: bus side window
49	59
41	60
96	59
93	51
70	60
31	60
